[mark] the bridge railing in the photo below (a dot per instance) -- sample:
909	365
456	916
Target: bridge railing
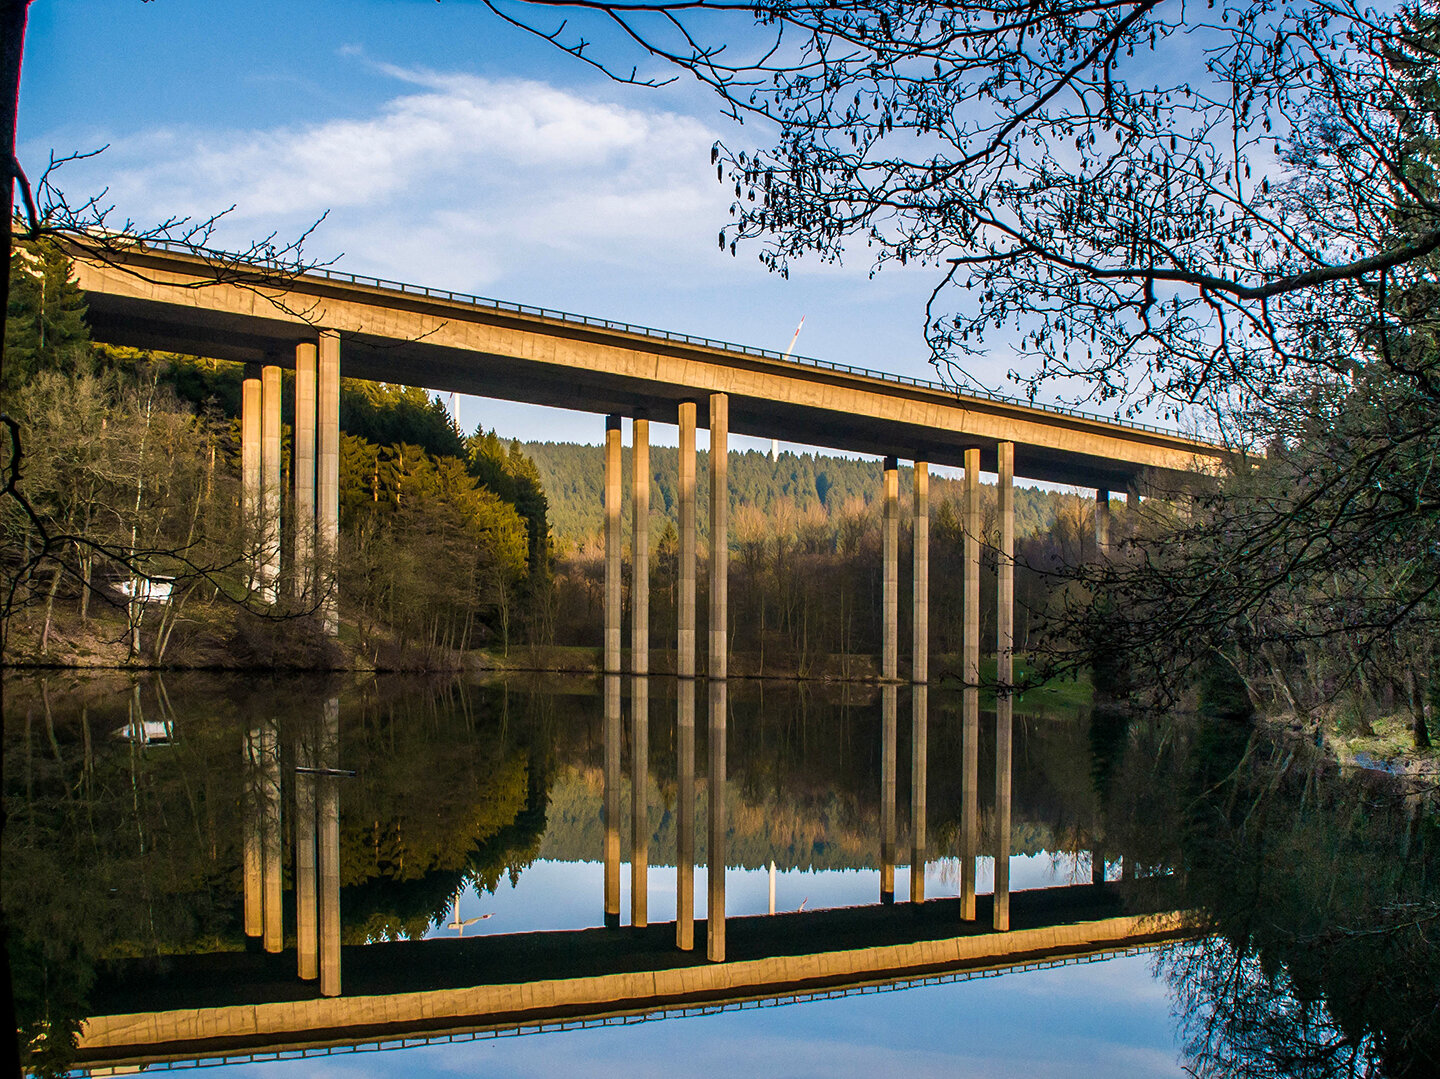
692	339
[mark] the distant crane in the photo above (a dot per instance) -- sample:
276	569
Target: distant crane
775	442
457	924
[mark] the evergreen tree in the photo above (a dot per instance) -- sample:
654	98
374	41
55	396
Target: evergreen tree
45	319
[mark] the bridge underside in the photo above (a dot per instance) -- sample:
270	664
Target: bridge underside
830	409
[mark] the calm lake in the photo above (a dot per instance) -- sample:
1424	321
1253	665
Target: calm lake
402	876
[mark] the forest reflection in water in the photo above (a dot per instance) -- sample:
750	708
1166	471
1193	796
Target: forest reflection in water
484	809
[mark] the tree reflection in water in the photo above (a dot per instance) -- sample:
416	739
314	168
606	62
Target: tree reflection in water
1319	890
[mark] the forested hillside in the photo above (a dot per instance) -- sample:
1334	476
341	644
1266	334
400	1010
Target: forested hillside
798	482
131	481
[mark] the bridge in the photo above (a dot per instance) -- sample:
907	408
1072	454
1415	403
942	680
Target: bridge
173	300
237	1005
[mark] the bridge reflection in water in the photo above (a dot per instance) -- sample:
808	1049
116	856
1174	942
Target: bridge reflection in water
266	1002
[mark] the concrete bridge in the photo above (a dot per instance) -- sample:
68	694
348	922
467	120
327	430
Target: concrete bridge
238	1006
150	298
174	301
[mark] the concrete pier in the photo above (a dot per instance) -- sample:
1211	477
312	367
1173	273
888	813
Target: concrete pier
888	694
970	671
613	566
307	941
685	577
328	844
639	800
919	778
715	840
1102	523
251	471
271	838
327	476
254	830
1005	677
640	547
920	597
612	800
890	575
719	537
685	815
270	472
302	471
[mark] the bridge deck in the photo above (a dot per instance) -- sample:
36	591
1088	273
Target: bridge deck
217	1005
395	333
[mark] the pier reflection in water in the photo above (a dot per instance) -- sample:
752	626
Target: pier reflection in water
374	830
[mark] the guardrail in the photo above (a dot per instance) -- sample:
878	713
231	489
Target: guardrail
690	339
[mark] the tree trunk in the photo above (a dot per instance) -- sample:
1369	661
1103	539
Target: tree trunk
1419	710
50	604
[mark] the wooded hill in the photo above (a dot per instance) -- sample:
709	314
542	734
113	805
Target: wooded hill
573	477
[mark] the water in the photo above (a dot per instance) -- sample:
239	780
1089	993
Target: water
1212	902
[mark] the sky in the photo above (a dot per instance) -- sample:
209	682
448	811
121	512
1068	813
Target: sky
442	148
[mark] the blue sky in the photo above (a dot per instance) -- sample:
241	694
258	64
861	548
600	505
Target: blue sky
449	149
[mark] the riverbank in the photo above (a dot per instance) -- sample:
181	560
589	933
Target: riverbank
239	640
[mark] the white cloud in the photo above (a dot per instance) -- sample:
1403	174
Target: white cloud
450	183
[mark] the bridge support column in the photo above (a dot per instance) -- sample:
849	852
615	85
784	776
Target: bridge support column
613	591
919	775
715	845
1004	678
719	539
270	837
685	815
328	843
640	800
970	671
611	739
1102	523
270	482
327	478
253	840
640	546
252	471
306	897
888	694
920	594
685	616
890	579
302	472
